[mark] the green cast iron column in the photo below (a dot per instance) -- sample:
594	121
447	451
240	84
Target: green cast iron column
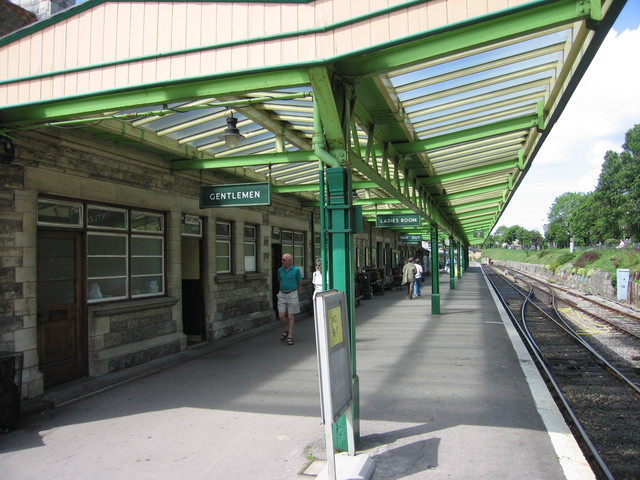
452	265
339	210
458	248
435	271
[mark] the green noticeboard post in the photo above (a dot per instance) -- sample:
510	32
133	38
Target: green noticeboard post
235	195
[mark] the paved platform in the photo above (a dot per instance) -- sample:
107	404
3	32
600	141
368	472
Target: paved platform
451	396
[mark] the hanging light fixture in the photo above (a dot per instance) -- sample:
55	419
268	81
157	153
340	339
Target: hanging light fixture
231	135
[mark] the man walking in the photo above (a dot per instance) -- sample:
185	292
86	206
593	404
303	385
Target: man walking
290	279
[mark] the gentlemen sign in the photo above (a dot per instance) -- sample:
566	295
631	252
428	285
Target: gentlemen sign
397	220
235	195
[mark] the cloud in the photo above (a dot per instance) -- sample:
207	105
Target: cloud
604	106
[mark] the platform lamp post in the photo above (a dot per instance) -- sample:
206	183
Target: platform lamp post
435	272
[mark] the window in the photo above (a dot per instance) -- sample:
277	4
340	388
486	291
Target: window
223	247
250	248
147	265
107	271
63	214
125	253
125	248
293	243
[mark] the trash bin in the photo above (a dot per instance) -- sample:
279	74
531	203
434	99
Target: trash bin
10	389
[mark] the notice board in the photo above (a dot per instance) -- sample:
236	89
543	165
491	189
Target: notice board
334	358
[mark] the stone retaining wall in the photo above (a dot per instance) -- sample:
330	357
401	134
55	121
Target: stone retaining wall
597	282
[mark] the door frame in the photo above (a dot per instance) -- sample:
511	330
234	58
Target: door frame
80	302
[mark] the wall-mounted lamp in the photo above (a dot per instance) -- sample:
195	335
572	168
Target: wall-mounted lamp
7	152
231	135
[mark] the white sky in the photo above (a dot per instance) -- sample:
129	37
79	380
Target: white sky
604	106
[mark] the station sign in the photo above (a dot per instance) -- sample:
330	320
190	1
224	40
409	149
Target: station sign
235	195
398	220
411	239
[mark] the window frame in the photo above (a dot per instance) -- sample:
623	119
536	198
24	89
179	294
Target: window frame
224	239
249	241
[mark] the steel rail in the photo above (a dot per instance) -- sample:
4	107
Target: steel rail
533	347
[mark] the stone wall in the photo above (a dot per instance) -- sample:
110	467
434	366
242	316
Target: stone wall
597	283
75	166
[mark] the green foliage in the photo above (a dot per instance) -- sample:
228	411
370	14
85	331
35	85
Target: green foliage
610	242
608	260
611	211
618	190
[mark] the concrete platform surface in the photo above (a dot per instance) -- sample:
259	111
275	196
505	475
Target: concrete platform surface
445	396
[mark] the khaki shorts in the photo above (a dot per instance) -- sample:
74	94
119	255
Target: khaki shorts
288	302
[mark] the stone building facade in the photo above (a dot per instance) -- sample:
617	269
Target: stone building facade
77	306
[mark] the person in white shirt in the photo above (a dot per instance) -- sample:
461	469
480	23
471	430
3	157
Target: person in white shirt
317	278
417	286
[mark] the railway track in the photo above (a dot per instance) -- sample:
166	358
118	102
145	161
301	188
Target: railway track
597	391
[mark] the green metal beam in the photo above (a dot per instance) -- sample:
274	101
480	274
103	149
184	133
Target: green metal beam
314	187
158	94
474	191
469	135
475	213
471	172
246	160
326	104
477	32
479	203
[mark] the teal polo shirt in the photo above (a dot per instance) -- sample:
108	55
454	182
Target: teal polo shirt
289	278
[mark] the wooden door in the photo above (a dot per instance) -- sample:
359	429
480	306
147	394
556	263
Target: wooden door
60	326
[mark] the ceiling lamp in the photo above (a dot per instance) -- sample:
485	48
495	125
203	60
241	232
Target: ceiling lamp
231	135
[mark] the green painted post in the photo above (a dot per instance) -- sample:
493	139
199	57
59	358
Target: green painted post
341	268
435	271
452	265
458	248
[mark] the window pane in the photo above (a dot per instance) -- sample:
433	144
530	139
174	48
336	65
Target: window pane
146	265
223	257
223	264
106	244
250	257
275	234
107	267
99	217
287	249
107	288
147	285
57	293
249	233
223	229
56	268
287	237
298	237
59	213
146	246
146	222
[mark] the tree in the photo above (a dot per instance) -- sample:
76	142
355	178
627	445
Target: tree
560	228
618	189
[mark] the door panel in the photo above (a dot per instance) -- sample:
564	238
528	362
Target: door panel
60	332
